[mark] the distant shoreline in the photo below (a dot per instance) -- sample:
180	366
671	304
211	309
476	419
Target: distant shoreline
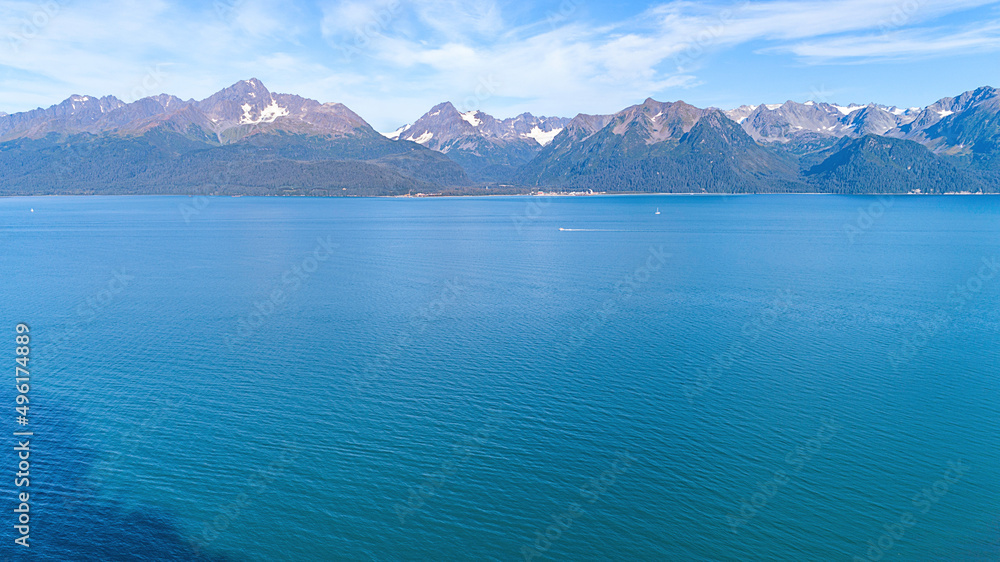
479	195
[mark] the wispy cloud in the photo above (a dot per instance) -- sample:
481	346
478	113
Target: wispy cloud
604	65
902	44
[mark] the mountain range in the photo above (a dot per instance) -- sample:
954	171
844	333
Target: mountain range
248	140
241	140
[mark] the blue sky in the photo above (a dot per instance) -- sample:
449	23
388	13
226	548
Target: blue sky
391	60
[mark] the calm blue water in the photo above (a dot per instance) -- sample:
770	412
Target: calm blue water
736	378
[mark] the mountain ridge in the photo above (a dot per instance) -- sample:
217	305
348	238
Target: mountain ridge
292	144
487	148
164	143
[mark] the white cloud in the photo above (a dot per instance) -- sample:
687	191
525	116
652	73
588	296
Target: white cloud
453	19
784	20
604	66
907	44
110	47
352	17
267	18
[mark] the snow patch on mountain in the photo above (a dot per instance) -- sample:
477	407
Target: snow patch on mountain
848	109
470	118
272	112
741	113
542	137
395	134
267	115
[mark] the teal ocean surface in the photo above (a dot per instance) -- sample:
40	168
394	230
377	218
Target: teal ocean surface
573	378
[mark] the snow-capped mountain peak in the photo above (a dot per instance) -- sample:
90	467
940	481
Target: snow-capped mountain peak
791	120
231	114
444	129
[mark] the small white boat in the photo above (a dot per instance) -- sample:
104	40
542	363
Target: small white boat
657	211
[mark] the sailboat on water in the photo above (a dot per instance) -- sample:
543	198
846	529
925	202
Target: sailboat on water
657	211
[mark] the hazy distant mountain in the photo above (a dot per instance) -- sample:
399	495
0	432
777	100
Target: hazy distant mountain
489	149
77	114
799	122
871	120
781	123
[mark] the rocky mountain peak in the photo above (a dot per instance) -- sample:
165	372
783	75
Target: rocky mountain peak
871	120
656	121
444	128
246	102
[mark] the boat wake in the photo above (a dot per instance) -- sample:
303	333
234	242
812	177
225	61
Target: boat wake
593	230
